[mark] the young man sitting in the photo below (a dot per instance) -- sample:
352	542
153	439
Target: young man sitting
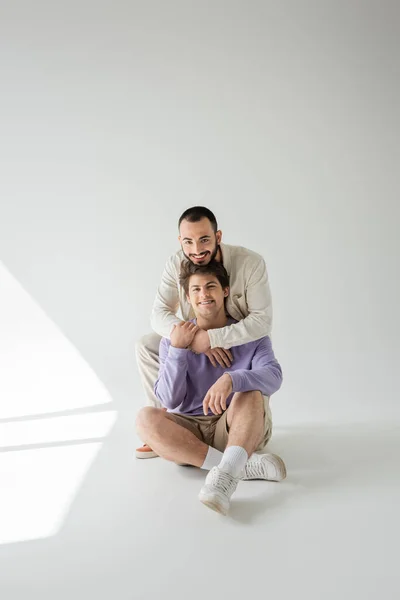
216	417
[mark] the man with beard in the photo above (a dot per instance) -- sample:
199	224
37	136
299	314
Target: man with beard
249	301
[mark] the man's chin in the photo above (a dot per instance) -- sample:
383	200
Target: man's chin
207	312
208	258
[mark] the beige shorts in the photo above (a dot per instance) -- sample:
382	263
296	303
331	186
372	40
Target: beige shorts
214	430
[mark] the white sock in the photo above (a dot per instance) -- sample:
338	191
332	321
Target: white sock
234	460
212	459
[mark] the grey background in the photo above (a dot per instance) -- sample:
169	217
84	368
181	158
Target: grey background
281	117
114	117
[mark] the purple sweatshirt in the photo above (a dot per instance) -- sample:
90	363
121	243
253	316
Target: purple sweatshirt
185	378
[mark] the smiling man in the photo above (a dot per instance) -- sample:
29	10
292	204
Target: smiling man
249	302
216	417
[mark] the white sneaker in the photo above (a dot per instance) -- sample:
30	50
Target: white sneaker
217	490
265	466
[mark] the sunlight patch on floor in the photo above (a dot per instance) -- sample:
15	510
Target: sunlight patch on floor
44	455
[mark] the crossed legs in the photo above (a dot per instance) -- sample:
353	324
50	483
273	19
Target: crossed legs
245	419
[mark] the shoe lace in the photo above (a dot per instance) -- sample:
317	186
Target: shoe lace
254	469
223	481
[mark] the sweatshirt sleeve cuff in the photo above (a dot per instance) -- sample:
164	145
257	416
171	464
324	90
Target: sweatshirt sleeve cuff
180	354
237	381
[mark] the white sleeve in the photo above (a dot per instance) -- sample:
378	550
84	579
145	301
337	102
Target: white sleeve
166	303
258	323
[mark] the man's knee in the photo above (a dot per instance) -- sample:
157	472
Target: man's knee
148	417
253	398
149	342
143	344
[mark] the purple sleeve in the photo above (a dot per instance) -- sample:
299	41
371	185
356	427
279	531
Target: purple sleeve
170	387
265	374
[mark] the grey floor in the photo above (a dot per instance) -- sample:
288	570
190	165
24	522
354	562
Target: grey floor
135	530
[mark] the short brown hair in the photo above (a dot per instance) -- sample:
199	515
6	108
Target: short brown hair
213	268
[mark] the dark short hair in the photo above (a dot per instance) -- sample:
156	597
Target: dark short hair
213	268
196	213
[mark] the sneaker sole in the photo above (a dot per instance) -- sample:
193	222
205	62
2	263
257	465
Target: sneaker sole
213	505
280	467
144	455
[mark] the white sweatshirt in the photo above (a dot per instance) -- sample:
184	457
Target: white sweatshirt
249	300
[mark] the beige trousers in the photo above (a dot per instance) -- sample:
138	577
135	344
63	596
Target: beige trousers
147	356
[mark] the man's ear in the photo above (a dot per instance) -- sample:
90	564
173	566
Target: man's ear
219	236
226	292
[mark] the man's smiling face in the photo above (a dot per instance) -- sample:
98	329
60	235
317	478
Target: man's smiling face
199	242
206	295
